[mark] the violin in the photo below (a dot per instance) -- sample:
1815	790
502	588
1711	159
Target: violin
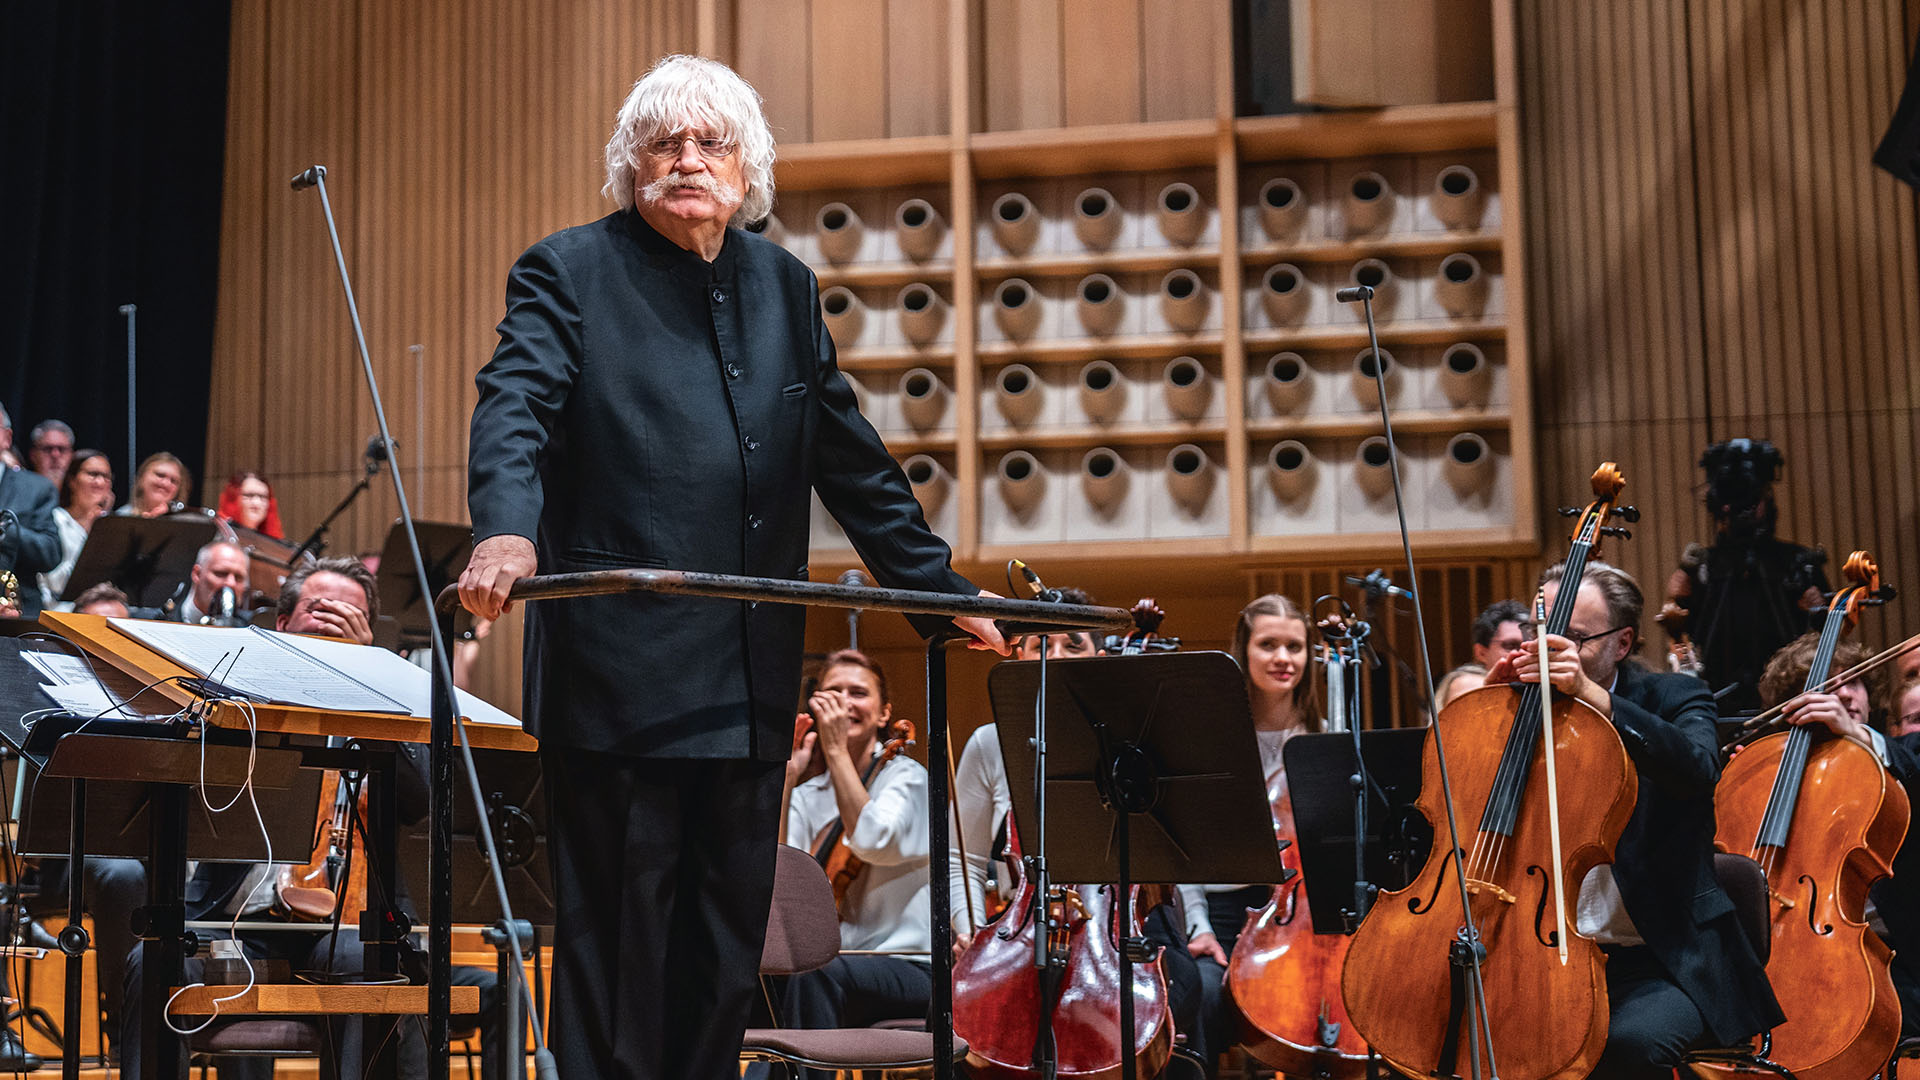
1283	979
334	877
1408	982
831	849
1824	820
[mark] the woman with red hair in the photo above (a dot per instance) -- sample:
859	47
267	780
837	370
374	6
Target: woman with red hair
247	501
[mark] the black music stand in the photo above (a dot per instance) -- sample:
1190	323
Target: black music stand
1324	786
148	558
1164	737
517	812
445	548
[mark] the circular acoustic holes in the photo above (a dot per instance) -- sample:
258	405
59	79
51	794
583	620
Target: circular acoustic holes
846	317
919	228
1104	478
769	227
1102	463
1373	467
1189	477
1181	213
1469	464
1284	294
1022	482
1290	470
1018	394
922	312
1461	289
1016	224
1016	309
930	481
1189	388
1369	203
1186	460
1103	391
1369	370
840	232
1380	277
920	469
1183	300
1458	200
923	399
1465	376
1289	382
1100	304
1096	219
1283	209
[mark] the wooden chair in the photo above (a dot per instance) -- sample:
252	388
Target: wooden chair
1746	883
803	933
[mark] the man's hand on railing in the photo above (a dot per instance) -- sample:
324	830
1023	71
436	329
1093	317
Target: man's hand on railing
986	636
498	562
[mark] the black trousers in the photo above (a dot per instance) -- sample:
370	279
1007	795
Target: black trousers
1652	1022
662	875
1216	1030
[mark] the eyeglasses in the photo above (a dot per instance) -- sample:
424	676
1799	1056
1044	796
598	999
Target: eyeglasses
1579	640
710	148
52	448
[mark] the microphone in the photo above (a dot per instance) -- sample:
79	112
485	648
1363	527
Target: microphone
1040	590
308	179
226	608
376	448
1353	293
1377	583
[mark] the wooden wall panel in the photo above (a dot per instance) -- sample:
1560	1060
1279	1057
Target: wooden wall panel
1053	63
849	63
1713	255
1101	61
919	91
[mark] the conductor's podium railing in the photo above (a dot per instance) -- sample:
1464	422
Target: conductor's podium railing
1014	617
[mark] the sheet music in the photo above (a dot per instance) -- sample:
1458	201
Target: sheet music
397	678
261	664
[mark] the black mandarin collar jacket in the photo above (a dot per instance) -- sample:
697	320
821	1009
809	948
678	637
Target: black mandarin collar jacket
646	408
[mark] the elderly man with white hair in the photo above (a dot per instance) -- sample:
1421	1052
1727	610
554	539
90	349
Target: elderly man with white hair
665	394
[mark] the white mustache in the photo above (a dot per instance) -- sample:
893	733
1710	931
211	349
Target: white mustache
673	181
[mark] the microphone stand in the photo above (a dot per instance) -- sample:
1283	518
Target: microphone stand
445	727
316	542
1468	951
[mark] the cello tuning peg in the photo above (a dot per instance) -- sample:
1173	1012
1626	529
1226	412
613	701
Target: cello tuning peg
1616	530
1569	511
1627	513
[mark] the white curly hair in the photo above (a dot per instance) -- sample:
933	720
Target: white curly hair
680	92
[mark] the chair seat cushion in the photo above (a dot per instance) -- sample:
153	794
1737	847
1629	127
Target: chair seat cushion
909	1023
282	1037
845	1048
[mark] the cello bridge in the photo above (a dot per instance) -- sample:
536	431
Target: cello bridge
1478	887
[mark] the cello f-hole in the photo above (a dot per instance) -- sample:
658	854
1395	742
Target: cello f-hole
1548	938
1813	898
1417	906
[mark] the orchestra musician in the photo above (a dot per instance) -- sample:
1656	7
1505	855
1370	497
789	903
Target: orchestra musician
842	785
29	541
664	394
86	493
159	486
1680	971
221	564
1270	644
247	501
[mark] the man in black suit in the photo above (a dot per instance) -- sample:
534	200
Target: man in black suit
665	394
1680	972
29	539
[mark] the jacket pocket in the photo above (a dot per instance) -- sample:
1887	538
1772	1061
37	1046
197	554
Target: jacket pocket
797	390
609	560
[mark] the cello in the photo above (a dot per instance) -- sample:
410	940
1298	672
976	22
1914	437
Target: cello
1283	979
1539	1002
1824	821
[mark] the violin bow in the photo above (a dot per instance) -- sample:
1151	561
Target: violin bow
1767	719
1553	778
959	837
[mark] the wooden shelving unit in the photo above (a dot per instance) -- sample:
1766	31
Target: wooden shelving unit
1226	160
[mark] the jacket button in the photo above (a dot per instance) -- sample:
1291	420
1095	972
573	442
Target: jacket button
750	444
753	522
719	296
733	371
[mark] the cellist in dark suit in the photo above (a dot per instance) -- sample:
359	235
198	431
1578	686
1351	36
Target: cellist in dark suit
1680	972
665	394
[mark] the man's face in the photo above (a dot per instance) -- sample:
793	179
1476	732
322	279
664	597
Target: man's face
1906	713
51	454
1603	651
1506	639
689	176
1059	646
224	567
112	609
322	593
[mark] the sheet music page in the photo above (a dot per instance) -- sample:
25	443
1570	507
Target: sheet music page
257	663
394	676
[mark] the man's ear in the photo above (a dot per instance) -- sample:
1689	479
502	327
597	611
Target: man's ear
1628	639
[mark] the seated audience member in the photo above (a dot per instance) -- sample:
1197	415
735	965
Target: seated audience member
50	450
102	599
220	564
884	823
159	487
247	501
86	493
29	540
1460	680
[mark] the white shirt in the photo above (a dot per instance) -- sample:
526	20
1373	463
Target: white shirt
982	800
886	906
73	537
1194	897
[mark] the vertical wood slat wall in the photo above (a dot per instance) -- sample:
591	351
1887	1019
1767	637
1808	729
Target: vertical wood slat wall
1709	252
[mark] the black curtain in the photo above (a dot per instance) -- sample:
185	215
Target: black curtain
115	126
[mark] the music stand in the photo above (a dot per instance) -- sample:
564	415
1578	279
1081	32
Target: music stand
148	558
517	809
1321	784
1167	738
445	548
